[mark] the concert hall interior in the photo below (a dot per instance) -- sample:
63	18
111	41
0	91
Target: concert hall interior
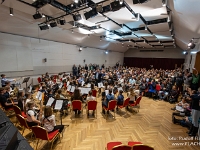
99	75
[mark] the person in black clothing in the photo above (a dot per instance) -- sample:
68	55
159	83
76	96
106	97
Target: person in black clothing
195	106
179	82
21	100
86	67
74	70
98	77
77	96
4	103
103	66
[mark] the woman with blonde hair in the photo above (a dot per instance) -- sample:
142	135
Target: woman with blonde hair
49	122
131	95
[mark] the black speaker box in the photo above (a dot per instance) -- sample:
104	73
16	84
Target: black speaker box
106	8
87	15
93	12
37	16
8	137
77	17
115	5
44	27
22	143
62	22
139	1
53	24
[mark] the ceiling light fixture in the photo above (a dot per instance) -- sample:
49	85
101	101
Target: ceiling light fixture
129	41
44	27
37	15
120	2
11	12
76	1
43	16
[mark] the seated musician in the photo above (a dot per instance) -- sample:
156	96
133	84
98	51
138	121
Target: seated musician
77	96
21	100
4	79
3	100
120	99
33	118
109	97
59	95
49	122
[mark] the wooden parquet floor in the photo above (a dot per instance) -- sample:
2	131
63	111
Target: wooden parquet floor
152	126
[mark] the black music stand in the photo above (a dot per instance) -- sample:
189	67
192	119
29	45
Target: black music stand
26	81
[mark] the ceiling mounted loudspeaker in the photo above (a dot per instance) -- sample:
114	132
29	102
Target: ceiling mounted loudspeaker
139	1
53	24
115	6
44	27
37	15
77	17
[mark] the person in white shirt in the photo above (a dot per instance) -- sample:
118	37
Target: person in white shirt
49	121
90	98
32	116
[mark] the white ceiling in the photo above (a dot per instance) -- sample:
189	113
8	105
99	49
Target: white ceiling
185	23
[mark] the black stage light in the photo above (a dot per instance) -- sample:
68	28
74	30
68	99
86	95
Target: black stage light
106	8
99	8
53	24
139	1
62	22
115	5
37	15
44	27
191	45
91	13
77	17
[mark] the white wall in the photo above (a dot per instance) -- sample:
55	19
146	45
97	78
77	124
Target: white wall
167	53
60	56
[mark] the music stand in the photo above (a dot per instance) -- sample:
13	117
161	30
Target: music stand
25	81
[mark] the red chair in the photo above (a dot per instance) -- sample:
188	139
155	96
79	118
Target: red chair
126	103
111	106
94	93
158	87
76	105
131	143
17	111
22	122
110	145
41	133
39	79
136	104
92	105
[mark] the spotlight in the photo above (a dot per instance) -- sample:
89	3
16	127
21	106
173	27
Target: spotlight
44	27
106	52
43	16
115	5
77	17
80	49
11	12
62	22
37	15
121	2
191	45
76	1
53	24
91	13
193	52
139	1
129	41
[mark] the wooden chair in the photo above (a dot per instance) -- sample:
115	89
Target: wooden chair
110	145
23	123
41	133
126	103
91	105
111	106
76	104
136	104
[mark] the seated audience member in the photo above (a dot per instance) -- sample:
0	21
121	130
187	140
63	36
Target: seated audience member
4	79
173	95
109	97
131	94
3	100
32	116
21	100
77	96
49	122
120	99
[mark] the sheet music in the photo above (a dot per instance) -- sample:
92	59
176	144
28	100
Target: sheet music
72	89
60	86
100	85
50	101
106	91
58	104
88	85
30	89
120	88
69	88
82	83
39	95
